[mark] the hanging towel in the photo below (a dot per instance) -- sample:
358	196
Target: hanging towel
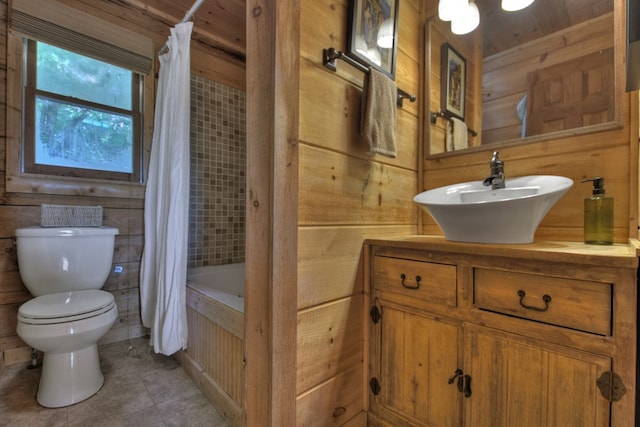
448	136
456	135
378	124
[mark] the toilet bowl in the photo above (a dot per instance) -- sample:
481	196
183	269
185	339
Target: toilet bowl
64	269
66	327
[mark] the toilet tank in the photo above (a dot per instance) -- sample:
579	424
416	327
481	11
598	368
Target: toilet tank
61	259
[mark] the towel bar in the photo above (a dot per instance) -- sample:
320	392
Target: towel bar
331	55
435	114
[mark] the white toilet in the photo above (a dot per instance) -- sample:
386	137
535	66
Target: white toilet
64	268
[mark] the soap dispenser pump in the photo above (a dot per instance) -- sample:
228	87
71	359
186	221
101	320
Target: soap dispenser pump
598	215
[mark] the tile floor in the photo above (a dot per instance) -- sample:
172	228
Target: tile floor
140	389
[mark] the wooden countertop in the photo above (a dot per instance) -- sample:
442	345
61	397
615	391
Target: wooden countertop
616	255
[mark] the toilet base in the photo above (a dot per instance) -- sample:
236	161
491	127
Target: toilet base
69	378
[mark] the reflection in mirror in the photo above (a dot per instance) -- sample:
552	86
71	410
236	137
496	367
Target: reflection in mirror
542	72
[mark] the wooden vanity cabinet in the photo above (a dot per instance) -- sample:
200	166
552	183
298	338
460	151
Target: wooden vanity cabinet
520	382
483	335
404	361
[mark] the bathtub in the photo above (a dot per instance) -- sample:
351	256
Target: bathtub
224	283
214	357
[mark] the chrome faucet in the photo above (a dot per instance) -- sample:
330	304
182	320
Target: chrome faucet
497	179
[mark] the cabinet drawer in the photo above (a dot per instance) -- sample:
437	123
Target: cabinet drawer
576	304
425	280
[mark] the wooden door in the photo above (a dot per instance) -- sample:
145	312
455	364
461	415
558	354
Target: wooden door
519	382
571	95
415	359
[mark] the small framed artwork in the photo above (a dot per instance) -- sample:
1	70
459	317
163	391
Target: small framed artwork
373	34
453	80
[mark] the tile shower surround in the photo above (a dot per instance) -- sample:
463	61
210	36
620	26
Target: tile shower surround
217	191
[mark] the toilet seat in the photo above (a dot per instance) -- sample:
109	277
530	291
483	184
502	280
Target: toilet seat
65	307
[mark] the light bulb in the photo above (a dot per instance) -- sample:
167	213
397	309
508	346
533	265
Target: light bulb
448	9
385	34
513	5
467	20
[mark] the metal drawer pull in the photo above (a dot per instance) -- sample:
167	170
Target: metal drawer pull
416	286
546	298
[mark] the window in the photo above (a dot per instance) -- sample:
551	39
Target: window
81	116
80	95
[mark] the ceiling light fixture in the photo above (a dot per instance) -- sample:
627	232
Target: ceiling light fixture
385	34
513	5
467	20
449	9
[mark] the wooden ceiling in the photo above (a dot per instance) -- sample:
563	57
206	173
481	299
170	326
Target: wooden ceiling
217	23
503	30
221	23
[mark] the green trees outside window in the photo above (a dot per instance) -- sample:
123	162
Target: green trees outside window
81	114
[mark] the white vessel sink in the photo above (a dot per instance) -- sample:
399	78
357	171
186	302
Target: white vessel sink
471	212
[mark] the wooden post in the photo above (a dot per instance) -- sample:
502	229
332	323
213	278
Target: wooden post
271	243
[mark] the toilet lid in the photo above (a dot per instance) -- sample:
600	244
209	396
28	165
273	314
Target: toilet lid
72	305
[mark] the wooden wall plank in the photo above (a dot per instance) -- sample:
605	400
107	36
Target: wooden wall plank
14	297
12	217
337	189
329	341
335	402
8	258
10	281
9	316
329	260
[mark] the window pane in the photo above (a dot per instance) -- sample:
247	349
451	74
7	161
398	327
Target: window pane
81	137
70	74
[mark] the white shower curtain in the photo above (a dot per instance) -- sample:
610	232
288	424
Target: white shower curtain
163	272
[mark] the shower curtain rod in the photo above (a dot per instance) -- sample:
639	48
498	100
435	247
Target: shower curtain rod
186	18
191	11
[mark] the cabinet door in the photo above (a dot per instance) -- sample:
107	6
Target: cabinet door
519	382
414	356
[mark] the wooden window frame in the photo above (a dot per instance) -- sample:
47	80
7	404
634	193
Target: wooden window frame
29	111
19	180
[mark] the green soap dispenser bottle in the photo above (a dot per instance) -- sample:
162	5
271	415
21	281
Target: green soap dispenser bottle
598	215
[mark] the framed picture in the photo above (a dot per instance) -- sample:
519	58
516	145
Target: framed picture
373	34
453	79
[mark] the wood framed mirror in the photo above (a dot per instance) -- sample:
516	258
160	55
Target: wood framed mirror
545	72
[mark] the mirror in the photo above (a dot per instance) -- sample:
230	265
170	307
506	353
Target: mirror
540	73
